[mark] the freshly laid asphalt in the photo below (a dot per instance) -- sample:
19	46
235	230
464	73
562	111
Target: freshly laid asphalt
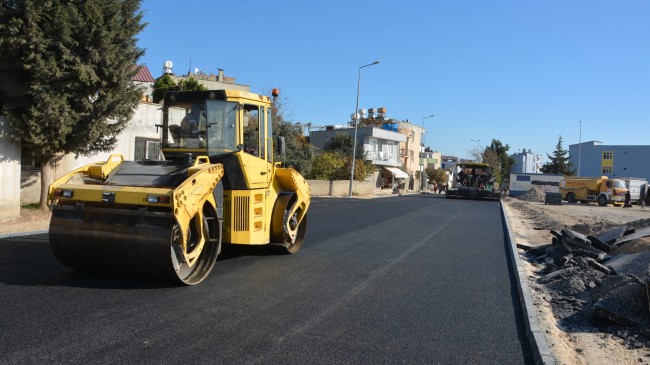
414	279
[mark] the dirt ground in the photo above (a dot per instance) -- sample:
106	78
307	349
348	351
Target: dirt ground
530	221
29	220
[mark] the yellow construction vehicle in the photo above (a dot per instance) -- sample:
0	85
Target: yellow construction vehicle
219	182
600	189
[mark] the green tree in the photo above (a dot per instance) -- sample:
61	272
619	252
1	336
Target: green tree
490	157
342	143
559	162
299	153
163	84
329	165
336	165
496	155
438	175
191	84
65	75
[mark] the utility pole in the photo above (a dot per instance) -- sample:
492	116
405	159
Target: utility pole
579	146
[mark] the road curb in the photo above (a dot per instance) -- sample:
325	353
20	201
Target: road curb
538	345
30	233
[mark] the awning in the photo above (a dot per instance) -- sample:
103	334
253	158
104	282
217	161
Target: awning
399	174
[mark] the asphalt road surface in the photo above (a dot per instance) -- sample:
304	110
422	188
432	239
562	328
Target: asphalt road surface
404	280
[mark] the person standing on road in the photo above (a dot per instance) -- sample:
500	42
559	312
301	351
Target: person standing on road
627	204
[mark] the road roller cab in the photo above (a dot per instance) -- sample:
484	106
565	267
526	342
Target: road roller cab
219	183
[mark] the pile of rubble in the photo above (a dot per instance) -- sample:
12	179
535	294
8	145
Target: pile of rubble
592	282
534	194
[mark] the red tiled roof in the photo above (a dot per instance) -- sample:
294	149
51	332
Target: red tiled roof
143	74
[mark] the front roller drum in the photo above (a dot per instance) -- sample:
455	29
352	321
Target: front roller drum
134	242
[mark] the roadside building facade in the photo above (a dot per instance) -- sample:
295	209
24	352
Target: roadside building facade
427	159
381	147
9	173
410	151
145	80
596	159
526	162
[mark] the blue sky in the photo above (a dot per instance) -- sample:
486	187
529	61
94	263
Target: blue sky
523	72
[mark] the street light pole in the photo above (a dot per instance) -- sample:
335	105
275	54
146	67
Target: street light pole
428	116
356	123
422	174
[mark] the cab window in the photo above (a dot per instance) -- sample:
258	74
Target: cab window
251	123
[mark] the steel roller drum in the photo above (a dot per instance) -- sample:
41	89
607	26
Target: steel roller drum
132	239
96	239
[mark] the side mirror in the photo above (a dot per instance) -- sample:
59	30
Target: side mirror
280	146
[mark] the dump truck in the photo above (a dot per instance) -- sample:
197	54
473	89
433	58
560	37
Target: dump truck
473	180
219	182
602	190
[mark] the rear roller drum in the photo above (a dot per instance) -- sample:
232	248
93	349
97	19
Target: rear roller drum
286	229
292	245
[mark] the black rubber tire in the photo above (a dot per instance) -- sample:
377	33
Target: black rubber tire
602	200
571	198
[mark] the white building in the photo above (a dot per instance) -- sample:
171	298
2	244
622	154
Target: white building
526	162
382	148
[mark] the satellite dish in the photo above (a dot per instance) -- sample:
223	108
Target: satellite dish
196	70
169	64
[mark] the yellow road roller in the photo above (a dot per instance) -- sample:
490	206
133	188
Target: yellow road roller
218	183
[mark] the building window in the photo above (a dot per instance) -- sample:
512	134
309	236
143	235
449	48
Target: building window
607	169
523	178
608	155
28	159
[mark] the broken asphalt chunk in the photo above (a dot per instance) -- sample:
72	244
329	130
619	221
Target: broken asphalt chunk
625	305
597	243
613	235
634	264
557	274
557	234
600	267
645	232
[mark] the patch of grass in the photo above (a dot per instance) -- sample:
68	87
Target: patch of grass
31	206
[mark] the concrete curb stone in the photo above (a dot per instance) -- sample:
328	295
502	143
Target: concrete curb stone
20	234
539	347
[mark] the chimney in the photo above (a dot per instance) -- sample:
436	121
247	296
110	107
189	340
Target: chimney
220	78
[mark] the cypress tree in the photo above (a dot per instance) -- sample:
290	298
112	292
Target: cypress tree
65	75
559	162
